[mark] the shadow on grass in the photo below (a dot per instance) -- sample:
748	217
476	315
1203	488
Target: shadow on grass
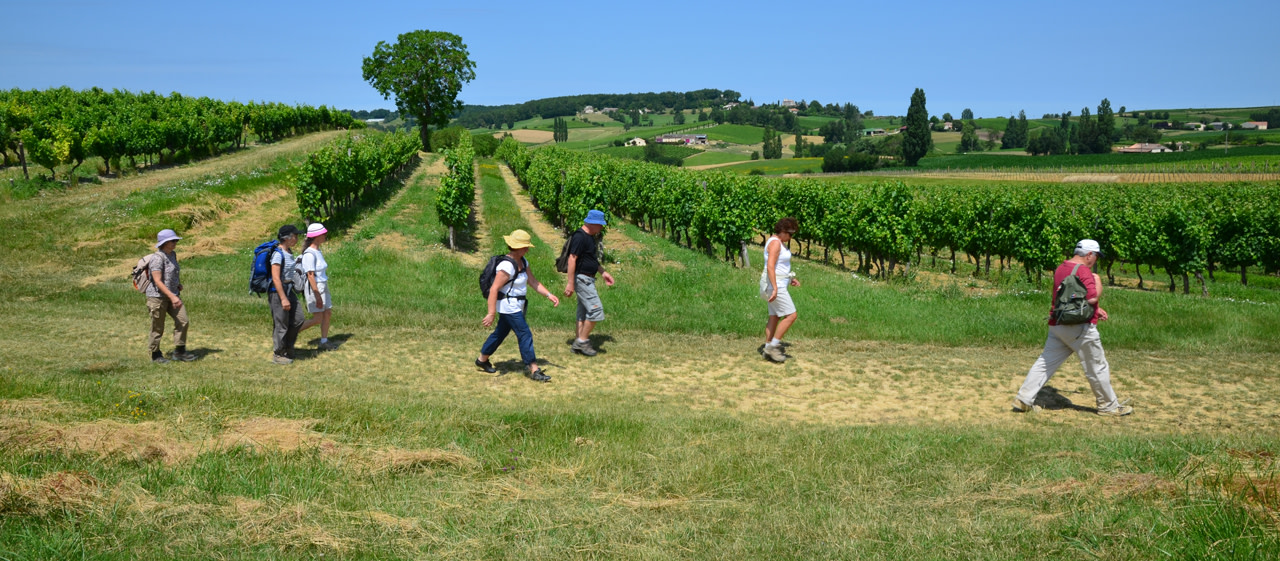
335	341
203	352
1051	399
466	239
596	341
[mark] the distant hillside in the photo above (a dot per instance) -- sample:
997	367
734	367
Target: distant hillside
477	116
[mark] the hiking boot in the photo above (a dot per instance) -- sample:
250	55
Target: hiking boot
183	356
583	347
485	366
1117	412
326	346
538	376
158	358
774	353
281	359
1022	407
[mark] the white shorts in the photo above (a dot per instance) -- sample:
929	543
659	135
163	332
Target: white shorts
311	297
782	306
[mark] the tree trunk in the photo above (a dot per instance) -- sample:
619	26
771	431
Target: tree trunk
1111	280
988	264
1138	270
425	134
842	265
451	244
746	255
1186	283
1211	271
1204	290
1173	283
22	156
953	261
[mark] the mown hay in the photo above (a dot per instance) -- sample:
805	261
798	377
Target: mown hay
262	434
146	442
396	460
63	490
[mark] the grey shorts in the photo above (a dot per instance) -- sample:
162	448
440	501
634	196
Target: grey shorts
782	306
589	307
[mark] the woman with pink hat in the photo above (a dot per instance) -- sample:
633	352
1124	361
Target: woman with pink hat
316	285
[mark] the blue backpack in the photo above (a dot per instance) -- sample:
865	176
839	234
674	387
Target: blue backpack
260	281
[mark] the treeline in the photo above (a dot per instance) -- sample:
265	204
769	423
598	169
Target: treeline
1184	229
63	126
336	176
492	116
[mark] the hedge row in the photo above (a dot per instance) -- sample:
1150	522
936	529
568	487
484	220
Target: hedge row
64	126
458	188
334	177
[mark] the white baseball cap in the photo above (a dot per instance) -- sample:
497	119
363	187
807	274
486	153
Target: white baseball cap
1088	246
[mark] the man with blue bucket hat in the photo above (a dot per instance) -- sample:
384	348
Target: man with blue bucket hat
583	266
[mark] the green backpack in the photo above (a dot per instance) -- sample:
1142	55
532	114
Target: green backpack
1070	306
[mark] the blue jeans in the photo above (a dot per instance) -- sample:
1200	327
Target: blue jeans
506	324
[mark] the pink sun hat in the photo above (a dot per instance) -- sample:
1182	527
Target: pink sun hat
316	229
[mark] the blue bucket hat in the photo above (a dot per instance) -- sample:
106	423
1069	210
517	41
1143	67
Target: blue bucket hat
594	217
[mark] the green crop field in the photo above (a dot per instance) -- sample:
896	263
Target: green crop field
735	134
637	152
778	167
1257	158
887	435
815	122
711	157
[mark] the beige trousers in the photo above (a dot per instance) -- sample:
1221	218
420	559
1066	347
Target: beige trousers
159	307
1081	339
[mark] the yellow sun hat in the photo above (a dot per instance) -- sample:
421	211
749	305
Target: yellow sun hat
518	239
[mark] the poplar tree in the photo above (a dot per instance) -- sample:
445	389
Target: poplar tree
916	141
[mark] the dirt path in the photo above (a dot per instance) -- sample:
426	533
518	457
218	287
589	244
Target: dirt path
542	229
713	166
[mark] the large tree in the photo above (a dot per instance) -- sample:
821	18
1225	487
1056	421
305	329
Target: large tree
916	140
424	70
1106	128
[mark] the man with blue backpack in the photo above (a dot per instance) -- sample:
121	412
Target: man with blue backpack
1073	328
275	273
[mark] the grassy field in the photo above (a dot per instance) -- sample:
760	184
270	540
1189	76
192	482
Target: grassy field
735	134
778	167
886	436
637	152
712	157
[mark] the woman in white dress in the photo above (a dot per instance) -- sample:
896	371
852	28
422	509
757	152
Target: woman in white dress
316	283
774	282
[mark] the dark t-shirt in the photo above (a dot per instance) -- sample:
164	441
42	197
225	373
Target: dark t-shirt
584	246
1086	277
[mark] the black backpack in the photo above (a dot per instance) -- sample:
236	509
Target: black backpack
1070	306
562	262
491	271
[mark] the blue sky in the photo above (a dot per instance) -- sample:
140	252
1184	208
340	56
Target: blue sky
993	57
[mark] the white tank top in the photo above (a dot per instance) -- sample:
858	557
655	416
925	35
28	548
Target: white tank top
783	268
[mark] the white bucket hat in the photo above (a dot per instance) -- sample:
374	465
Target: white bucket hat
165	235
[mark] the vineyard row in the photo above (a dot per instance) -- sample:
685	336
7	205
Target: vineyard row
64	126
1185	229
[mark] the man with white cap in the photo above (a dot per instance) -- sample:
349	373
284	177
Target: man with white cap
163	298
1081	338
